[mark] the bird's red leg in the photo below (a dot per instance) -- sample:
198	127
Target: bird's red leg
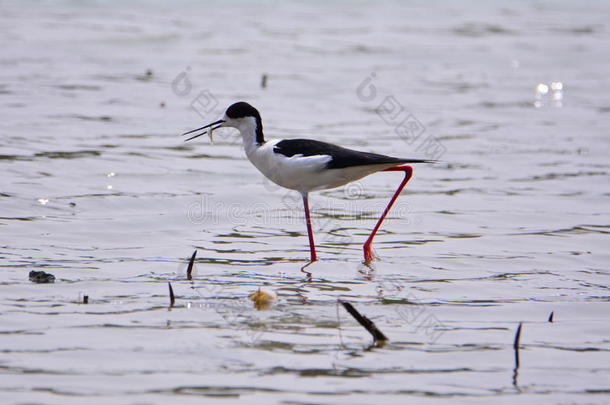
312	245
368	253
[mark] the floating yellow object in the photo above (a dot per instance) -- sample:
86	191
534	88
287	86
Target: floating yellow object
262	299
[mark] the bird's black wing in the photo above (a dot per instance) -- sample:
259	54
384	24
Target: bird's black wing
340	157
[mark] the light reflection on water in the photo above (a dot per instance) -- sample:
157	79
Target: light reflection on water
99	189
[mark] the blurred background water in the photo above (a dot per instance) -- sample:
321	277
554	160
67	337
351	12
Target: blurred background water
98	188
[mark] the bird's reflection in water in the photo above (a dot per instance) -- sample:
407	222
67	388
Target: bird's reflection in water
308	275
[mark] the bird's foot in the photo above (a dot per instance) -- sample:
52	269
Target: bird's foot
369	256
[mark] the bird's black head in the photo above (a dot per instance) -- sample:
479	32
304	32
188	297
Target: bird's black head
241	115
242	109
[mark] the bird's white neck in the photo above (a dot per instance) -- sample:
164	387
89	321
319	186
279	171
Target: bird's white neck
251	133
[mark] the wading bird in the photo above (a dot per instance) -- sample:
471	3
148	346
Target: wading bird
307	165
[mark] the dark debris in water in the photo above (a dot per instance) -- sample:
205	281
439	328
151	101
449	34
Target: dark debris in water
172	298
41	277
516	350
189	270
366	323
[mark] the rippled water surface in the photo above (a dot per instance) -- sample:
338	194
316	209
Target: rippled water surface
99	189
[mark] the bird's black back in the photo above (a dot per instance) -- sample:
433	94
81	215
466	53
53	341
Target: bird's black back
340	157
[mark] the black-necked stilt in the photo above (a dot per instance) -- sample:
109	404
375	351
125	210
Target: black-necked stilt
307	165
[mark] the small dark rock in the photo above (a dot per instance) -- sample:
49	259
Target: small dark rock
41	277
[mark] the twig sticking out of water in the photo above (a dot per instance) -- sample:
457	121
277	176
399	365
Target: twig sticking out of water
516	348
264	81
551	317
172	299
516	344
85	299
365	322
189	269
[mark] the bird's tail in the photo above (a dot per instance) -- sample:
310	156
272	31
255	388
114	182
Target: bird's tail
418	161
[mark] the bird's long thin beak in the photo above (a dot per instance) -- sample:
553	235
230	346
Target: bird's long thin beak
211	126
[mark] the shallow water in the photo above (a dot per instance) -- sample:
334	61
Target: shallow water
98	189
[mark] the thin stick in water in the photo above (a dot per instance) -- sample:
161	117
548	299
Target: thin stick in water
516	349
189	269
172	299
516	345
365	322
